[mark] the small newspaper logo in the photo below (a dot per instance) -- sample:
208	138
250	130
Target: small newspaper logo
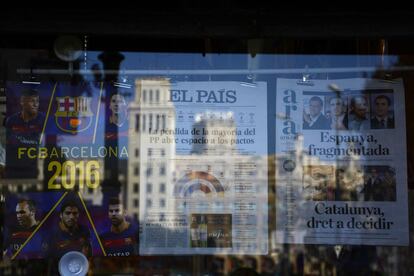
289	165
290	106
73	114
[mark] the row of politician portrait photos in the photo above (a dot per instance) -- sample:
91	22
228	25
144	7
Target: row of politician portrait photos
27	236
366	183
357	112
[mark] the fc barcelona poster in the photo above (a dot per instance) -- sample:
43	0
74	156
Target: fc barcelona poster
59	136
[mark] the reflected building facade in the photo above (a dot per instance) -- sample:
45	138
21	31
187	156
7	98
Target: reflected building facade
151	113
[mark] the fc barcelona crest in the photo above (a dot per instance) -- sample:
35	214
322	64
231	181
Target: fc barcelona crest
73	114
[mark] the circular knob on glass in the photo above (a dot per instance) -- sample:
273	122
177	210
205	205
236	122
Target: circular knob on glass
73	263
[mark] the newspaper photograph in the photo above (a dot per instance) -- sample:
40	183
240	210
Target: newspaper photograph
341	175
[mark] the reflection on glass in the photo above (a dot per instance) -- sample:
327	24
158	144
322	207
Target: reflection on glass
199	167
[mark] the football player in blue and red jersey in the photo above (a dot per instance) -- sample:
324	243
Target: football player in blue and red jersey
23	129
69	234
122	237
17	235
